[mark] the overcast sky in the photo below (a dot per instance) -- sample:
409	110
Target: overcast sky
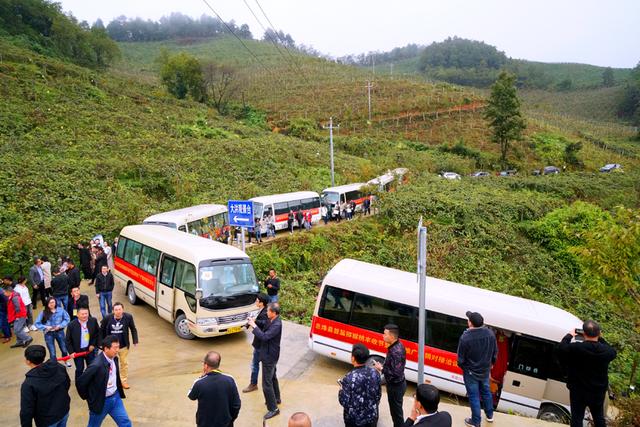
585	31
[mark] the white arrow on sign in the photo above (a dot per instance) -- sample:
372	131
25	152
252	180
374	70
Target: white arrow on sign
240	219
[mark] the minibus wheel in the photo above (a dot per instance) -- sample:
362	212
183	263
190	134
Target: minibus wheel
131	294
181	325
556	414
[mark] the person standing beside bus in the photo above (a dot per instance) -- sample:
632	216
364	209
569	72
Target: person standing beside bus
477	352
217	395
360	391
119	324
308	217
290	219
393	370
324	213
261	319
587	365
270	336
272	283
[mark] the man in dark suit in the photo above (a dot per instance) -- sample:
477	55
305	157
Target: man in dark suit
270	337
425	409
73	275
83	334
36	278
216	393
100	386
85	261
261	319
76	301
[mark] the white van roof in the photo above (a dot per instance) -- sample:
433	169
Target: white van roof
277	198
185	215
344	188
499	310
179	244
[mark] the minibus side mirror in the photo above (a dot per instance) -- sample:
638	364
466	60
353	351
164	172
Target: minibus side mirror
198	294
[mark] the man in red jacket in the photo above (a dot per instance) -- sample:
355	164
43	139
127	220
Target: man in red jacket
17	314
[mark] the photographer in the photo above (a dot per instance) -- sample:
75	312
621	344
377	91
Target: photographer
587	364
261	319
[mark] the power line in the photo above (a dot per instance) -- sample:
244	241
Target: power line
265	30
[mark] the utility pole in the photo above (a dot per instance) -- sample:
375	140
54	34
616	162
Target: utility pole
330	127
369	86
390	65
422	283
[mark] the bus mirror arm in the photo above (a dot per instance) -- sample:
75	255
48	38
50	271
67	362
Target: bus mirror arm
198	294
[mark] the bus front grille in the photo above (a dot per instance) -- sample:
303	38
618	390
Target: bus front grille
233	318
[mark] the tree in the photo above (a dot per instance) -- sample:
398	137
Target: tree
221	84
503	114
182	75
607	77
571	154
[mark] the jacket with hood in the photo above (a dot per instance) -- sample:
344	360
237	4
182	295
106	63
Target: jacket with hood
44	396
587	364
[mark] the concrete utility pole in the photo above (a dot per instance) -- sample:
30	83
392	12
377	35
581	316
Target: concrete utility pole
369	86
330	127
422	281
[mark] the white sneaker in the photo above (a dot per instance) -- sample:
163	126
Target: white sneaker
25	330
489	420
33	328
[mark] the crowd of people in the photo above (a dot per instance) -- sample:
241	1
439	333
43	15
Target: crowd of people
102	376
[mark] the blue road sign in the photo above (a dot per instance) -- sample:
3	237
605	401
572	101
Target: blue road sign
240	213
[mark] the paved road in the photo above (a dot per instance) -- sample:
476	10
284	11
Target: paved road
163	367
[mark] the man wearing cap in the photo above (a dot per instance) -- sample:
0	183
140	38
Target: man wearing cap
477	352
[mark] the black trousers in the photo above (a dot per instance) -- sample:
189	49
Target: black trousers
580	400
270	386
81	362
395	393
34	296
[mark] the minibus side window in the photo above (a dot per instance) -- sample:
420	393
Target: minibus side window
535	358
374	313
132	252
336	304
295	205
168	268
149	260
281	208
444	331
122	242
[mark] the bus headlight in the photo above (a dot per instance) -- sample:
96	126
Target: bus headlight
207	321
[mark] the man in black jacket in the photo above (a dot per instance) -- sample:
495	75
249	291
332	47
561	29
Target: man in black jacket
85	261
76	301
425	409
83	335
261	319
73	275
587	365
60	287
393	370
100	386
216	393
270	337
44	395
119	324
272	283
477	352
104	290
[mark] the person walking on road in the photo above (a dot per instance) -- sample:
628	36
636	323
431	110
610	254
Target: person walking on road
425	409
76	301
83	335
216	393
587	365
36	278
51	321
261	320
21	288
17	315
477	352
100	386
270	337
44	394
119	324
393	370
272	283
60	287
360	391
104	290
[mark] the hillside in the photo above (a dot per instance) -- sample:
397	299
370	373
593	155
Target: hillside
85	151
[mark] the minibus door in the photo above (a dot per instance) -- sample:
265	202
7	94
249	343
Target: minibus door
164	290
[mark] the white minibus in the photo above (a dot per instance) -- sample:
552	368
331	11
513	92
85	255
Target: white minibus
279	205
205	288
210	221
356	299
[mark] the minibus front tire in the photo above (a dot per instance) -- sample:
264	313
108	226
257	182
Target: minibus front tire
181	326
553	413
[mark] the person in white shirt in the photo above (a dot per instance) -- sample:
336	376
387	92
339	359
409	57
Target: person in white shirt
21	288
107	252
46	269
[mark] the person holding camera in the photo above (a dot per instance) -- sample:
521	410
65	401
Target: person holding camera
261	320
587	363
360	391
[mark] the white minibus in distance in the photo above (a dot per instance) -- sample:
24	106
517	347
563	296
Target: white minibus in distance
210	221
356	299
279	206
205	288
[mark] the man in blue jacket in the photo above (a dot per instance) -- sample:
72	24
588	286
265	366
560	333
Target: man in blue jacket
269	337
477	352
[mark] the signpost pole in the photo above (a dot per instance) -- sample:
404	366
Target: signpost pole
241	215
422	281
242	233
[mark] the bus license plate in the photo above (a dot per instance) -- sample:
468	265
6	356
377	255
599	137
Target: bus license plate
234	329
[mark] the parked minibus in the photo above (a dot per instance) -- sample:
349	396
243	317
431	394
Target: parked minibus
210	221
356	299
344	194
205	288
279	206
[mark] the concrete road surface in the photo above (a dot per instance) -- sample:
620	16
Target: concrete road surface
163	367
